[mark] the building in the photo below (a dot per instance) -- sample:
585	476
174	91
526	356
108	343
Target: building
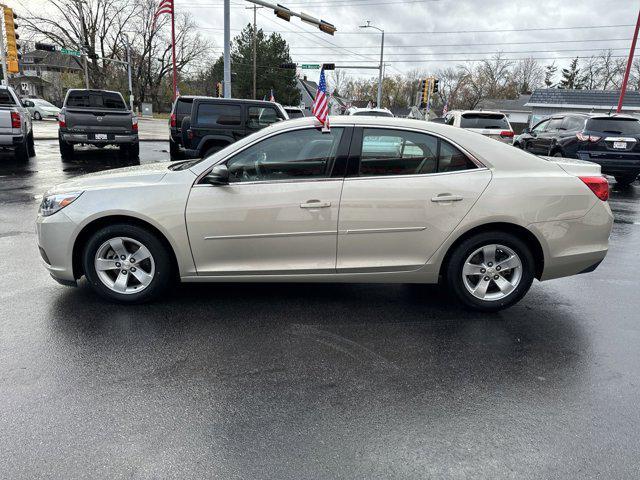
516	110
31	86
548	101
46	74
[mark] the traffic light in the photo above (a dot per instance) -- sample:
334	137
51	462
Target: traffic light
435	85
283	13
12	40
45	46
424	92
327	27
329	66
290	66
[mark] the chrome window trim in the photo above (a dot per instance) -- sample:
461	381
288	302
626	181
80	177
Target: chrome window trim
261	182
418	175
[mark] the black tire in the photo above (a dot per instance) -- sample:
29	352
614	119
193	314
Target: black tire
453	270
625	180
163	274
130	150
174	151
557	153
66	149
31	147
37	116
212	150
22	151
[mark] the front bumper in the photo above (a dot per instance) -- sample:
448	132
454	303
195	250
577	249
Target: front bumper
613	163
575	246
89	138
55	242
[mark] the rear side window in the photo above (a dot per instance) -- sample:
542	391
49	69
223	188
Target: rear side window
555	124
260	117
6	98
219	114
617	126
484	120
397	152
573	123
295	113
84	99
183	107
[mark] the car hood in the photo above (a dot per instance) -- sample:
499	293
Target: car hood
118	177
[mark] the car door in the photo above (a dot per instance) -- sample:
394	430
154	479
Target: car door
547	138
279	212
406	194
533	144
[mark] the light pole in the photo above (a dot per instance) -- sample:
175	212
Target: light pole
381	75
227	49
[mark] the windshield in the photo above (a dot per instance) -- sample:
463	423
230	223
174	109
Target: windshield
373	113
484	120
617	126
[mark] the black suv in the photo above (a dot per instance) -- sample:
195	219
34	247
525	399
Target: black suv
214	123
612	141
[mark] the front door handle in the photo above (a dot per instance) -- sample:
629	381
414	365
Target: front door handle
445	197
315	204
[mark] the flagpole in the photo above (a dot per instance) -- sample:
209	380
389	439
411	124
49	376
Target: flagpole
173	48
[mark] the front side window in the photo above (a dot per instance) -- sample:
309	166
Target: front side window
555	125
219	114
260	117
540	127
298	154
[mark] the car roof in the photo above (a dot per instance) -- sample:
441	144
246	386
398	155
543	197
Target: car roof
490	112
236	100
96	90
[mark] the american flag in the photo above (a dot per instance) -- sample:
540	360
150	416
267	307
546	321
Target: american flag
320	104
165	6
445	109
272	98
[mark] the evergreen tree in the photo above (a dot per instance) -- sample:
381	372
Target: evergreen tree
550	71
571	77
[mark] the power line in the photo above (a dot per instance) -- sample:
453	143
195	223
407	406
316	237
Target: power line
502	51
477	59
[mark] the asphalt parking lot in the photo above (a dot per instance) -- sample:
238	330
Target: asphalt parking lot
311	381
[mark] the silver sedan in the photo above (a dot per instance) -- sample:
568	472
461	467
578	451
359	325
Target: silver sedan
373	200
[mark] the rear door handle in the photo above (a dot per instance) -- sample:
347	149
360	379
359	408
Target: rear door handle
445	197
315	204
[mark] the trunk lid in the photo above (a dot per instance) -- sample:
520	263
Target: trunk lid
98	120
578	168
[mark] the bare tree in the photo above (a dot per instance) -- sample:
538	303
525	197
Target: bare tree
528	74
338	81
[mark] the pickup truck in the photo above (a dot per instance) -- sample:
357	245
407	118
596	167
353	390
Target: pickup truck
15	126
99	118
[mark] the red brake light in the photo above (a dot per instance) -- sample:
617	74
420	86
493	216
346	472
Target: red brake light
134	124
61	122
598	185
15	120
587	138
172	120
506	133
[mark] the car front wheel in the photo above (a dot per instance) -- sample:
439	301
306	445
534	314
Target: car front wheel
625	180
490	271
127	264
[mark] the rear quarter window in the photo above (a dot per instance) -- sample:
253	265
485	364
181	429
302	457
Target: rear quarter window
224	115
616	126
183	107
484	120
6	98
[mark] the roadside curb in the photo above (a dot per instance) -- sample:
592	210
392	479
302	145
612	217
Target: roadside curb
140	140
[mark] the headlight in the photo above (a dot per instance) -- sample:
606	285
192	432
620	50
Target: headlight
52	203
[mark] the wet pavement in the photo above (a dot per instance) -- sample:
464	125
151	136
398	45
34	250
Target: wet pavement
311	381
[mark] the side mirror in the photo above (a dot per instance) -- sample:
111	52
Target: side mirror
219	175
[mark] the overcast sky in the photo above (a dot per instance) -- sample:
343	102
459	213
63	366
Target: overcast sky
497	25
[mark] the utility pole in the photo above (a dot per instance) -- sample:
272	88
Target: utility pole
381	73
227	48
629	63
255	42
126	39
86	44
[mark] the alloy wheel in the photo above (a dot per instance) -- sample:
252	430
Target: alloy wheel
124	265
492	272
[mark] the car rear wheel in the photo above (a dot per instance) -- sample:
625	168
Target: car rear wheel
127	264
490	271
174	150
625	180
31	147
131	151
66	149
22	151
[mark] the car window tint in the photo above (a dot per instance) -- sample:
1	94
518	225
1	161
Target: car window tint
183	107
6	98
297	154
616	126
295	113
573	123
260	117
554	125
484	120
219	114
452	159
84	99
540	127
450	120
397	152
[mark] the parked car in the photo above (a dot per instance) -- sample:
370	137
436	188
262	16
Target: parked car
180	109
294	112
99	118
490	124
612	141
16	131
40	108
214	123
369	112
374	200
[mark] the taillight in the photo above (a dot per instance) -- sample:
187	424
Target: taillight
172	120
598	185
506	133
134	124
15	120
587	138
61	122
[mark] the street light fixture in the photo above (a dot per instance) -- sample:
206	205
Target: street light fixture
380	76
